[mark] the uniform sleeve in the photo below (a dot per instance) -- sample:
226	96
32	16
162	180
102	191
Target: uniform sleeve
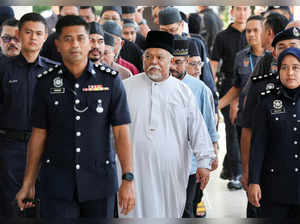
217	51
198	135
39	107
119	111
258	144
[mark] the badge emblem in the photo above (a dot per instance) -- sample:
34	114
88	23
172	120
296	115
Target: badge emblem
277	104
99	108
58	82
270	86
296	32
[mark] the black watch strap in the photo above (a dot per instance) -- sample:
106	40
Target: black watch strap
128	176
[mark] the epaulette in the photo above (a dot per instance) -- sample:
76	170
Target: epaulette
270	91
51	69
106	69
262	77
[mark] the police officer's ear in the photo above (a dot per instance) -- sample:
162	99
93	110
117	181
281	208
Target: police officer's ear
122	43
56	41
275	53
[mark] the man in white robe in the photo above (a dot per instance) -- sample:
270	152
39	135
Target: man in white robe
165	120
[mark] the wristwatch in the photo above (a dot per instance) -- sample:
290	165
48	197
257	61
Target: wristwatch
143	22
128	176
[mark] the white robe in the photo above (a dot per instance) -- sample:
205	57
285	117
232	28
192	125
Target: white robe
165	117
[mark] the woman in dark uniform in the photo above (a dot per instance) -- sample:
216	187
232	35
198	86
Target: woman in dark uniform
274	165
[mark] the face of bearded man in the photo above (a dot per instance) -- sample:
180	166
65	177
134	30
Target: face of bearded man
97	48
10	44
156	62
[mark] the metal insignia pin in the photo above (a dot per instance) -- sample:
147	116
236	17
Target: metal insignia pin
277	104
270	86
99	108
296	32
58	82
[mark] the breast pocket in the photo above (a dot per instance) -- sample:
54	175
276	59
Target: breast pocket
98	105
244	73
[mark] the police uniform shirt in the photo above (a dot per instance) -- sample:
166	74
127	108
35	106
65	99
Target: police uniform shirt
244	64
78	114
227	43
263	78
274	156
18	80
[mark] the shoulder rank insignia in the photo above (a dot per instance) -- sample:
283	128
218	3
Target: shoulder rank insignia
261	77
44	73
106	69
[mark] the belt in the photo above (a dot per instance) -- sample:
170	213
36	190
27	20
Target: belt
16	135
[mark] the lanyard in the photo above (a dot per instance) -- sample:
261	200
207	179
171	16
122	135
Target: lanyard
251	62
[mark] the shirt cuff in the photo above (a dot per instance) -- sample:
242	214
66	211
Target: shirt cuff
205	163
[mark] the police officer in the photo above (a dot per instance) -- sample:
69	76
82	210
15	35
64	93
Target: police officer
263	78
75	106
274	157
18	77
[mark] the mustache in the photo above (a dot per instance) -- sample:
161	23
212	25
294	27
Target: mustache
153	66
12	46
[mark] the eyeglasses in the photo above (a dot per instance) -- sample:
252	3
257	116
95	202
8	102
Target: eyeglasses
179	62
295	68
196	64
7	39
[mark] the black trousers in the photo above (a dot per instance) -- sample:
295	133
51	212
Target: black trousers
232	160
193	196
12	168
279	212
52	208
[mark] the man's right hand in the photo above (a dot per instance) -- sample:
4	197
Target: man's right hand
24	194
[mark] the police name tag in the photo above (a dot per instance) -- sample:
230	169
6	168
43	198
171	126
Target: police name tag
57	90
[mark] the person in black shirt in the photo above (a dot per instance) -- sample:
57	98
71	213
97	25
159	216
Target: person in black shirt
227	44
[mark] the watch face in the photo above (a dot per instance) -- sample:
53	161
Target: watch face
127	176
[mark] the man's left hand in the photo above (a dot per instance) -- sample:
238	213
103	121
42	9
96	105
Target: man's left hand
127	197
202	176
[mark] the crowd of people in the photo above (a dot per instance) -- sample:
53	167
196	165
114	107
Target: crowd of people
116	114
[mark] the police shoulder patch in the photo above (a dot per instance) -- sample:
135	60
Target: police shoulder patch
261	77
106	69
269	92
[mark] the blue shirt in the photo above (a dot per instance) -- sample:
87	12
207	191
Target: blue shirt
203	97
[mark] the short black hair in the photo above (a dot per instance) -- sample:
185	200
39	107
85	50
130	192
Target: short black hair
9	22
91	7
34	17
256	17
70	20
276	22
61	7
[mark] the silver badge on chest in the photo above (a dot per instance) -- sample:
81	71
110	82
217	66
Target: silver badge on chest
58	82
270	86
99	108
277	104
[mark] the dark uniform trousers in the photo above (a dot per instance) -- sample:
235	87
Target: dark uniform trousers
17	84
78	176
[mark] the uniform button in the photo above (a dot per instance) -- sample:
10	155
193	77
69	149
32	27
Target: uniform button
294	115
77	101
99	101
56	103
294	103
295	142
107	162
276	118
77	167
77	118
271	170
296	169
76	85
48	161
295	128
296	156
78	133
78	149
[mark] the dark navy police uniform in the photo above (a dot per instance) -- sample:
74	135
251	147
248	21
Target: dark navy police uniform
18	80
275	156
78	172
